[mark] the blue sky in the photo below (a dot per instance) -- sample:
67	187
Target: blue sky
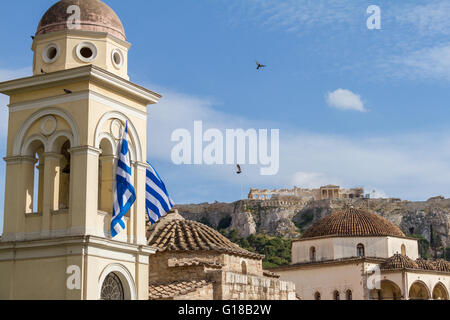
355	107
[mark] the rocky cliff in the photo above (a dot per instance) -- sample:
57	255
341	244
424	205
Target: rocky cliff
288	218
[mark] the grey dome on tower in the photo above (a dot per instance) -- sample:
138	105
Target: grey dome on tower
95	16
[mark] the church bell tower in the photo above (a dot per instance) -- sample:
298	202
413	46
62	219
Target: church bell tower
65	125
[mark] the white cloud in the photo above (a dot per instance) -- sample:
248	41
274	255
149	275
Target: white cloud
312	180
11	74
345	100
412	166
6	75
428	63
376	193
429	18
295	16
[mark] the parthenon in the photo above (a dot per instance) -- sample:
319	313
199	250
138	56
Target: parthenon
325	192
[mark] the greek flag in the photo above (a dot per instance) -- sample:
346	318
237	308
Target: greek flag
124	193
158	202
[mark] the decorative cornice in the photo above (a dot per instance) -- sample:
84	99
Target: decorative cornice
20	159
89	72
141	165
85	149
78	96
91	241
52	155
319	264
77	33
346	237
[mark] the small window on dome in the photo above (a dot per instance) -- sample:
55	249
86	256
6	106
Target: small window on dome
312	254
117	58
317	296
50	53
360	252
86	52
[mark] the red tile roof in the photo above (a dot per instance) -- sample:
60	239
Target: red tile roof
351	222
172	290
175	234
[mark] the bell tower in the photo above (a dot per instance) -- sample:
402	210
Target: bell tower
65	125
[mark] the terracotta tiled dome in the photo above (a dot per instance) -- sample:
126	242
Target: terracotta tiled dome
95	16
398	261
442	265
174	233
425	264
351	222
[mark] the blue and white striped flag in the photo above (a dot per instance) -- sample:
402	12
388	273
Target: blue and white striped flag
158	201
124	193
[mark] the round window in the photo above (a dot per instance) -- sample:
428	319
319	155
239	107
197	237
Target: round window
117	58
112	288
50	53
86	52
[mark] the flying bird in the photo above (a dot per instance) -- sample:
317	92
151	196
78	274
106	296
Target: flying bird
260	66
67	91
239	169
32	37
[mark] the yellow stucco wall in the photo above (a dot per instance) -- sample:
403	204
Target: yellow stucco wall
39	266
67	43
326	280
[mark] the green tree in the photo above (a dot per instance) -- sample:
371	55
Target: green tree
277	250
424	245
224	223
206	222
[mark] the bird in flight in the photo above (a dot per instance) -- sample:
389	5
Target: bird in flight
67	91
32	37
260	66
239	169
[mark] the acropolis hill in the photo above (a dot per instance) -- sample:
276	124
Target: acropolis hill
322	193
289	216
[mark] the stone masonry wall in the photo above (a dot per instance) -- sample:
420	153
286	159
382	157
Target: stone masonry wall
205	293
235	286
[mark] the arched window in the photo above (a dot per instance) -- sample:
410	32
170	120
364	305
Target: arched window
105	176
312	254
58	163
64	179
244	267
112	288
317	296
360	252
34	207
336	295
403	248
33	175
349	295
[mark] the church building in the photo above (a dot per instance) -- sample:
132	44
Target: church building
65	125
195	262
355	254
